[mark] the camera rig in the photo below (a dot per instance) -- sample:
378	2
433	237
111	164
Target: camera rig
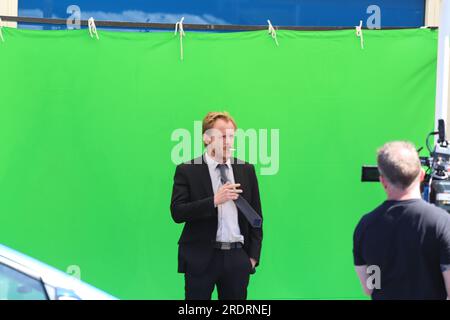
435	188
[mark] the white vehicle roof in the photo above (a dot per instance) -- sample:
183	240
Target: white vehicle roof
50	275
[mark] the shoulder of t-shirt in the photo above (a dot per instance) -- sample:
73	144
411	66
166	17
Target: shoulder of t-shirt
430	210
433	216
367	218
442	216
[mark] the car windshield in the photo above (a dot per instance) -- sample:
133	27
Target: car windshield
15	285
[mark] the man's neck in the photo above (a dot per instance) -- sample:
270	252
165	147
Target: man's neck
212	154
404	195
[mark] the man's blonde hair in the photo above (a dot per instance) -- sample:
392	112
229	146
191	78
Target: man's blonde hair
399	163
212	117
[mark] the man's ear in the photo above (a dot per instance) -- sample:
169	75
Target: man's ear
421	175
383	181
206	139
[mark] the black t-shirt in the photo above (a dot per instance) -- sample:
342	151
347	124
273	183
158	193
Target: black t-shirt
408	240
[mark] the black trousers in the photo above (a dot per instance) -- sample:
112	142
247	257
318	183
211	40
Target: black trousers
229	270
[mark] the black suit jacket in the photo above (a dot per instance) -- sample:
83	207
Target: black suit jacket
193	204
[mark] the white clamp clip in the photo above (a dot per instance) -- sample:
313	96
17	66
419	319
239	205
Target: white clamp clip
272	32
179	27
359	33
92	28
1	31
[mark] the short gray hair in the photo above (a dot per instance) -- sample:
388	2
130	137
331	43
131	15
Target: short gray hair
399	163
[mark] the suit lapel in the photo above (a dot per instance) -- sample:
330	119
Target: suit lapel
206	178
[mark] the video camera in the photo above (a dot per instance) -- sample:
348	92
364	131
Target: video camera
435	187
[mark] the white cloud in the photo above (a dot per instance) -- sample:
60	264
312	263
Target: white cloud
157	17
133	16
32	13
127	16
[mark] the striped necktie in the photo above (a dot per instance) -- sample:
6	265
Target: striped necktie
249	213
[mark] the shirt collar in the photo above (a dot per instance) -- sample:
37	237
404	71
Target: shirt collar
211	162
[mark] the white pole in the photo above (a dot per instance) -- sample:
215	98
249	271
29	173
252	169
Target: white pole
443	65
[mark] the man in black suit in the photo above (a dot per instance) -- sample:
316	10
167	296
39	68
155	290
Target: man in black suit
218	245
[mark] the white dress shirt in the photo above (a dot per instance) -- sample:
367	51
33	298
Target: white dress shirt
228	226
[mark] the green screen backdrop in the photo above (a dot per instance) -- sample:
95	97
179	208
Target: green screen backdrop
85	145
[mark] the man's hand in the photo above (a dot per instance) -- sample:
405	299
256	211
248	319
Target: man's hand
227	192
253	261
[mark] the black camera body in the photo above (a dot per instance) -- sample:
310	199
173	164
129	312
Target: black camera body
440	194
435	187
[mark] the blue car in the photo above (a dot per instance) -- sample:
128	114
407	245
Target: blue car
25	278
